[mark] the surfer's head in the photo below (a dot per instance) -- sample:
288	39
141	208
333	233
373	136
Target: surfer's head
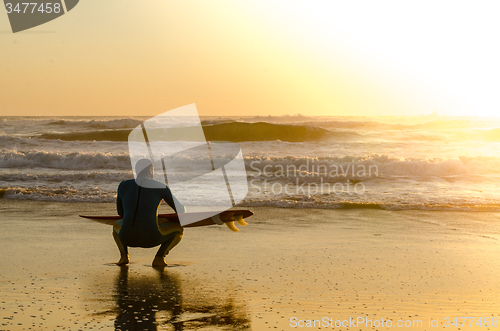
144	168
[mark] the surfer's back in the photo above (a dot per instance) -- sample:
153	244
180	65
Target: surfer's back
138	205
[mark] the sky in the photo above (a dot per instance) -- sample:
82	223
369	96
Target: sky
259	57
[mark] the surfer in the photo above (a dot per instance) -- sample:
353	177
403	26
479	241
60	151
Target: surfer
138	202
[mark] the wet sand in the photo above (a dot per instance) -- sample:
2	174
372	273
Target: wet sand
57	271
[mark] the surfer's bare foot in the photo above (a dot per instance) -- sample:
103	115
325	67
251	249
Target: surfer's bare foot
123	260
159	262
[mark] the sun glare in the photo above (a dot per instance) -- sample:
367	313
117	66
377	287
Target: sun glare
445	47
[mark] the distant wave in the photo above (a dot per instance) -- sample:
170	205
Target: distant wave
228	130
262	131
492	135
374	122
396	124
233	131
297	128
80	122
58	160
297	118
97	135
120	123
70	177
348	122
5	138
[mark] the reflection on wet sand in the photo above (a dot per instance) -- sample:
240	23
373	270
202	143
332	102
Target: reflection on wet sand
157	303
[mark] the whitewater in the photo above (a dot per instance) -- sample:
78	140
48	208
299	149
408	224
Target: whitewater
392	163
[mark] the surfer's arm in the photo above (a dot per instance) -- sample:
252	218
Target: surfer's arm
172	201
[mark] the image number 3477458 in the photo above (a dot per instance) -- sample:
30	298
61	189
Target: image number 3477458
26	15
31	8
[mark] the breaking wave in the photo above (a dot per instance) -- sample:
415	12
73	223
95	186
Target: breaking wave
234	131
261	166
59	160
371	166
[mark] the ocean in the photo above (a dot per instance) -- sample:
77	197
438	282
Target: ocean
393	163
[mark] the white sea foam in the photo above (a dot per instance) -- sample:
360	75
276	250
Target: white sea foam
424	163
58	160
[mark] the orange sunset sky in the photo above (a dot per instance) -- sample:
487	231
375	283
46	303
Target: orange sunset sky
234	57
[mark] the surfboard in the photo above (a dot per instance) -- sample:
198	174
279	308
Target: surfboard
227	217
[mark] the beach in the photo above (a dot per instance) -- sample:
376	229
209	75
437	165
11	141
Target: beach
359	222
287	267
363	136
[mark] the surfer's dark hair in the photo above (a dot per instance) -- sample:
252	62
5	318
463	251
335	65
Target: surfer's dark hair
143	167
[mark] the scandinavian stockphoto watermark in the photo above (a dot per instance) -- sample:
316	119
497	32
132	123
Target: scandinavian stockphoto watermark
27	14
208	176
354	322
366	322
310	177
